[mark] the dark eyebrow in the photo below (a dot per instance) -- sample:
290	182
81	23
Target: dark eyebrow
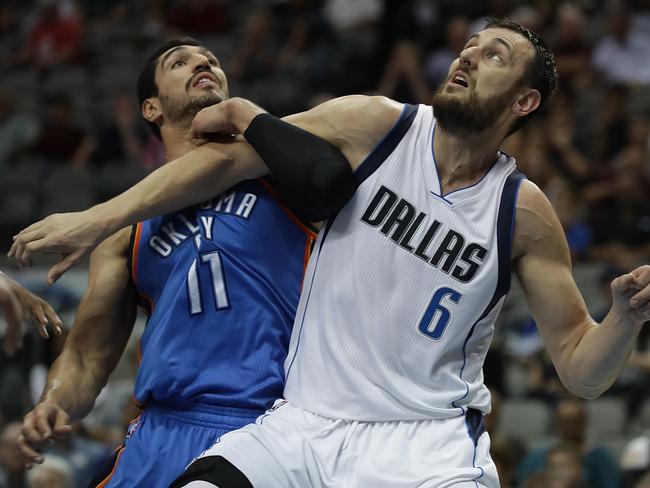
169	53
501	41
496	39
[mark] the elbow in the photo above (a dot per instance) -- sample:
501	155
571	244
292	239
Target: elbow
581	387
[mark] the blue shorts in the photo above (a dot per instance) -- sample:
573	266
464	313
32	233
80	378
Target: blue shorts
162	441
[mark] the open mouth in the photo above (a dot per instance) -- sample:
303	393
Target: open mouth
459	79
204	79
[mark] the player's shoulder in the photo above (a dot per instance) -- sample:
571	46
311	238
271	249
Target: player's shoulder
536	222
116	245
366	110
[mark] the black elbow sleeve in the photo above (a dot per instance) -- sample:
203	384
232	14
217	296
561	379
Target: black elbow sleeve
312	176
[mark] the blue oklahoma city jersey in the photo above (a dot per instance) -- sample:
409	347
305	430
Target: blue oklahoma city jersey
221	283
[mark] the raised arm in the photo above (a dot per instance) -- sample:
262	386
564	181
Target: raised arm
587	356
353	125
98	337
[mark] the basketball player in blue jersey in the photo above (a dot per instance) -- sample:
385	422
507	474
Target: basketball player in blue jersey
384	382
220	283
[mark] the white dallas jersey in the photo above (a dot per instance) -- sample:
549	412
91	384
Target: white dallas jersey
403	288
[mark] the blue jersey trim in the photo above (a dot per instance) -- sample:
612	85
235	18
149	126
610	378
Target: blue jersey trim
304	313
387	145
505	234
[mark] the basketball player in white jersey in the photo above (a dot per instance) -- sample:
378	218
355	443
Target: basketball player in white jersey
384	382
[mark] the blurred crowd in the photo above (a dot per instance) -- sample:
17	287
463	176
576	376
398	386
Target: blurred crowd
71	135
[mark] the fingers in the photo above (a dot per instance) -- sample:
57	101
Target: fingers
623	285
23	245
52	318
62	425
642	283
13	339
46	422
29	453
65	263
39	315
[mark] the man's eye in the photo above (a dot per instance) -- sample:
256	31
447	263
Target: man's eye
494	55
178	63
213	62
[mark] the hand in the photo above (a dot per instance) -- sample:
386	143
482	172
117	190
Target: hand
631	294
48	421
228	117
16	302
72	235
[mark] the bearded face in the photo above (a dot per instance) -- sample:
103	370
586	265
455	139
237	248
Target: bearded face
469	114
182	107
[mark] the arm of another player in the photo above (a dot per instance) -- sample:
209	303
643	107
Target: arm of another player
16	304
587	356
353	124
311	159
98	337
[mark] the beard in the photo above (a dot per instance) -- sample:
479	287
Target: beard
470	116
178	110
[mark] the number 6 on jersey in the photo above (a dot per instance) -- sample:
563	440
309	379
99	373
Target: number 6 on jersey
436	316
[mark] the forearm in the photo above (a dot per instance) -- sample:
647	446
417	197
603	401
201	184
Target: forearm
74	383
193	178
600	355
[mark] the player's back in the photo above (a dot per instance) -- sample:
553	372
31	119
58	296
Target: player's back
403	288
221	283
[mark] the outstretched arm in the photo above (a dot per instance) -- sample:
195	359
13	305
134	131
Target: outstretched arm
587	356
353	125
98	337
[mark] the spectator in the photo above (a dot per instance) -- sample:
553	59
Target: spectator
200	17
599	468
55	39
570	46
122	138
403	78
60	139
622	55
17	130
437	63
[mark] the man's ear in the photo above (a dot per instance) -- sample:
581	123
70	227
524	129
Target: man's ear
151	110
526	102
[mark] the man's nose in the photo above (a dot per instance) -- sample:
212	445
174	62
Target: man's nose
201	64
468	58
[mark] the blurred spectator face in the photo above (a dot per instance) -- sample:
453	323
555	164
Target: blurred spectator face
492	64
457	32
619	25
571	420
189	78
563	468
571	23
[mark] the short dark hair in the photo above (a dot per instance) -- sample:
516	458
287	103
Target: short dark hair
146	86
540	73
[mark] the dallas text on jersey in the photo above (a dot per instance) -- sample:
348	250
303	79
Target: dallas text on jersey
399	218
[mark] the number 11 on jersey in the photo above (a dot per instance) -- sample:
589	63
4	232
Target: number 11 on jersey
436	317
213	259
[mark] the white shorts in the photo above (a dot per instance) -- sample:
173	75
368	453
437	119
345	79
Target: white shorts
291	447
